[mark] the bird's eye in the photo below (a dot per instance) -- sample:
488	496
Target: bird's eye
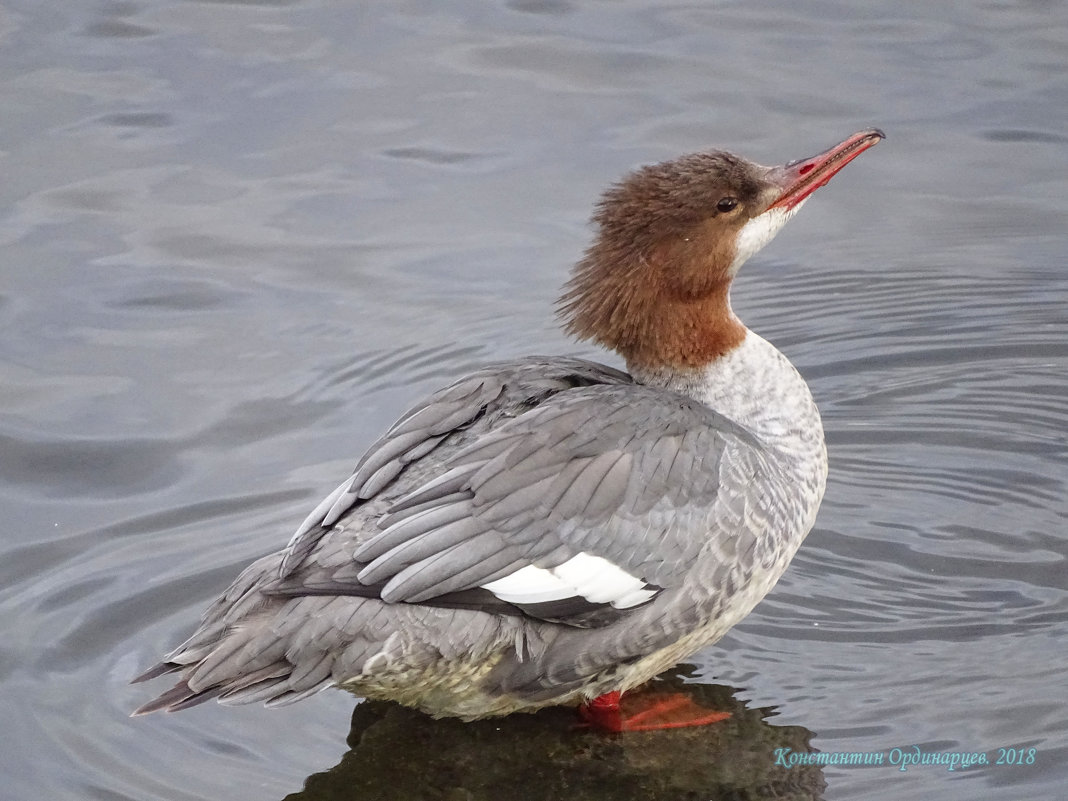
727	203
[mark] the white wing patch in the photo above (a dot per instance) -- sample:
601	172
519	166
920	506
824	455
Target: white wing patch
591	577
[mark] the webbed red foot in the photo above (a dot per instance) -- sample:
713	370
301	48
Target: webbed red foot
645	711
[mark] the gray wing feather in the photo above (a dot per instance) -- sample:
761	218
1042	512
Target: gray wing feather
452	570
412	550
302	542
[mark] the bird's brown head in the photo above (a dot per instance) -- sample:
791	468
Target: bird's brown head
654	285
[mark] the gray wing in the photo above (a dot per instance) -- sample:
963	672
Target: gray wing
583	504
497	391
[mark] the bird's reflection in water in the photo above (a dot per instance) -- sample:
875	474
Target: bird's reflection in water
397	754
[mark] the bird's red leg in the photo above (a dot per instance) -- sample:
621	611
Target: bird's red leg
645	711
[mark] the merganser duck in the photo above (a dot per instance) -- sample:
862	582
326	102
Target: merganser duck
549	530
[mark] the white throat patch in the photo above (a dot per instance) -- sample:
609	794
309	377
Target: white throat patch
758	232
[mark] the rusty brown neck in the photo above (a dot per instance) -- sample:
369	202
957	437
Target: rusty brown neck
651	317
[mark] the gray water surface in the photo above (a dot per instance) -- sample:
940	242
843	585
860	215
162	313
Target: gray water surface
240	237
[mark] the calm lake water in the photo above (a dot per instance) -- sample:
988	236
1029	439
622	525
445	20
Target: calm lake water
239	237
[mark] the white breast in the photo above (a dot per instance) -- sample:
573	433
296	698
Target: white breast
756	386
